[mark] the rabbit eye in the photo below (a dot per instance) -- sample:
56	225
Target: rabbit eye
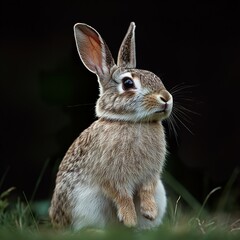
127	83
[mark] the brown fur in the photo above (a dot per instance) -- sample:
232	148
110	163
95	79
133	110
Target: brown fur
144	146
123	152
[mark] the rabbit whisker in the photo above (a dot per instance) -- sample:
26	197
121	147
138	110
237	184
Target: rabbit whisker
180	87
177	117
172	125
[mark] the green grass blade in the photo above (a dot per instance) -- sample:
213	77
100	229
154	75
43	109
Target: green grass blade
182	191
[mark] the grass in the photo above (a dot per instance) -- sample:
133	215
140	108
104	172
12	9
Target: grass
186	219
20	223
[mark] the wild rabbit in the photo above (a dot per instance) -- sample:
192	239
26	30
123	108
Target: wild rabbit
112	171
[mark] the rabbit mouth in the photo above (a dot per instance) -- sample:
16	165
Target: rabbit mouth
160	111
165	108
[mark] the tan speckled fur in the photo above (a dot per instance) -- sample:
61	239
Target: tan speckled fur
112	171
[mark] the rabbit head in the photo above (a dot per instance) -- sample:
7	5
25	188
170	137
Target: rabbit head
126	93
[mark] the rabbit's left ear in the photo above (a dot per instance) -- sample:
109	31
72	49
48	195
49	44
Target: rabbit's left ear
92	50
127	53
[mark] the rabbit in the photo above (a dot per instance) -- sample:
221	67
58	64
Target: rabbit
111	174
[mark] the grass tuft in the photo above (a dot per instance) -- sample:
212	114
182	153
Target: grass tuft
23	219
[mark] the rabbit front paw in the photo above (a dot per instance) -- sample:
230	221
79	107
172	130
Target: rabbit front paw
128	217
149	209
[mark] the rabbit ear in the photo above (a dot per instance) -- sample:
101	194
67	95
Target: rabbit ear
92	50
127	53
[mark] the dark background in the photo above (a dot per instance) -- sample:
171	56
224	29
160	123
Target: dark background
47	96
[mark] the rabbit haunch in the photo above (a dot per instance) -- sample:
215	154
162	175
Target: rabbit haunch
112	171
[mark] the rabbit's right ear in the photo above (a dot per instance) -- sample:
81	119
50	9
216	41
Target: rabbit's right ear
92	50
127	53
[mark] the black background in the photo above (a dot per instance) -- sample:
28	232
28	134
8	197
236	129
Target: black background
47	96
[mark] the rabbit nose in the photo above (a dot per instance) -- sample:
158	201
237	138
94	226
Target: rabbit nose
164	96
163	99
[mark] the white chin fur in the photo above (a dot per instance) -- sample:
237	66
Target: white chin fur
127	117
133	117
118	117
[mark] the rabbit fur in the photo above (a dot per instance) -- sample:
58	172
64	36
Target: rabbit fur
112	171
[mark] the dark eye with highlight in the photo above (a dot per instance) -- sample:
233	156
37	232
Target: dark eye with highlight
127	83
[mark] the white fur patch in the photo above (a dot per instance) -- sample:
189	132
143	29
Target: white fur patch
92	208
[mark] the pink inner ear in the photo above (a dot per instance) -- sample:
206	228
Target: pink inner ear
94	52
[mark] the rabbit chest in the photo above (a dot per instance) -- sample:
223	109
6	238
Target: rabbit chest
123	152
